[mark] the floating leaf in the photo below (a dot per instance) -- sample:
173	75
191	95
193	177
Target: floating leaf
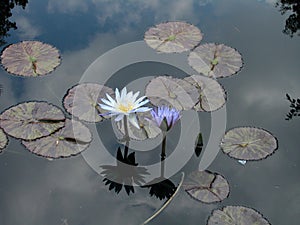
81	101
215	60
30	58
68	141
238	215
212	95
148	129
248	143
173	92
31	120
206	187
3	140
173	37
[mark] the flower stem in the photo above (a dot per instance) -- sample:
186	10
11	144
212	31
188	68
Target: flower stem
163	146
126	137
162	168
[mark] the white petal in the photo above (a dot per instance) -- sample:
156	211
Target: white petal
123	93
129	95
135	96
110	99
141	103
119	117
142	109
140	99
106	107
107	102
117	95
133	120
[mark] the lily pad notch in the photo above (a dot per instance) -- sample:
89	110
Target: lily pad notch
206	187
70	140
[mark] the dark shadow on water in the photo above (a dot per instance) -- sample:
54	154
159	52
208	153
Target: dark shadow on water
292	23
125	173
161	188
5	12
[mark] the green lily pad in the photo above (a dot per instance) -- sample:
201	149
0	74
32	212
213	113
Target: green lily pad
31	120
173	92
238	215
68	141
82	101
173	37
206	187
215	60
248	143
30	58
3	140
148	129
212	95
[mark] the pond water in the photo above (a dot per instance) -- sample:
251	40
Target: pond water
70	191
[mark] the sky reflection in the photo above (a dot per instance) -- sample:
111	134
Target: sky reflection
36	191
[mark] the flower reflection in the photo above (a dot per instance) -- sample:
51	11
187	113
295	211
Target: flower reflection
125	173
161	188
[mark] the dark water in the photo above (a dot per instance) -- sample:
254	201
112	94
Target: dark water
36	191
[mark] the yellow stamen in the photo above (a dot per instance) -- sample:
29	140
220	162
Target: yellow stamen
125	108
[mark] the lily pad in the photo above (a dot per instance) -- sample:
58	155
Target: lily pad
206	187
82	101
3	140
31	120
215	60
148	129
238	215
173	37
173	92
248	143
212	95
30	58
68	141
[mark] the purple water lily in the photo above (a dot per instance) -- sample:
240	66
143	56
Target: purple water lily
165	116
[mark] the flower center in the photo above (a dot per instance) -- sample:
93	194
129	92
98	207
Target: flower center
125	108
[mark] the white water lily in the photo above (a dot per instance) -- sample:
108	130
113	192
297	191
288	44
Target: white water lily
125	104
